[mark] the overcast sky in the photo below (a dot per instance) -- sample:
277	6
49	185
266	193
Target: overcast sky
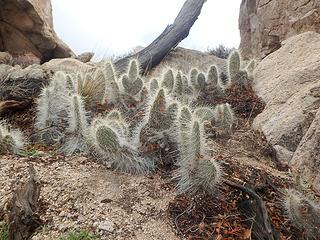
114	27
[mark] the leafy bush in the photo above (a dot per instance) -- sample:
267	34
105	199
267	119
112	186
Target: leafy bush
220	51
3	231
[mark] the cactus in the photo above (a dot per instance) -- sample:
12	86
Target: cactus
168	80
223	119
112	92
70	84
178	86
51	119
11	140
201	82
113	147
196	170
303	212
154	85
233	66
131	82
213	76
157	112
242	78
213	82
250	67
77	131
193	77
204	113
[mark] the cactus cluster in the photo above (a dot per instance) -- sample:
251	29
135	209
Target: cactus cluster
66	117
110	137
11	140
223	119
196	169
303	212
237	75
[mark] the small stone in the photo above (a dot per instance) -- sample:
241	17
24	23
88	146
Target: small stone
105	226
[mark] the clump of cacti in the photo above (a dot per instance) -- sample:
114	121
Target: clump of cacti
111	141
52	111
239	76
303	212
197	170
132	82
11	140
76	134
223	119
156	132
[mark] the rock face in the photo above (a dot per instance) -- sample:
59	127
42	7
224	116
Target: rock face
288	80
264	24
26	27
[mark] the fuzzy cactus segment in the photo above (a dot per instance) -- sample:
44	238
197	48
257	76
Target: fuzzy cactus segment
193	77
131	82
76	135
113	146
223	119
234	62
204	113
303	212
112	91
213	76
11	140
196	172
168	80
154	85
201	82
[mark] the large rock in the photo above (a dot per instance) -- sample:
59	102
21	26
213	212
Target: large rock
288	80
264	24
26	27
306	160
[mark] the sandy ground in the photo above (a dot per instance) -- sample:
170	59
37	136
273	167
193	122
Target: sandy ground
80	194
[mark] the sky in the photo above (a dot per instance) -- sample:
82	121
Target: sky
115	27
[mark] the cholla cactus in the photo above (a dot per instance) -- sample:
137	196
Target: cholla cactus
223	119
303	212
132	82
168	80
11	140
71	85
76	140
196	170
113	147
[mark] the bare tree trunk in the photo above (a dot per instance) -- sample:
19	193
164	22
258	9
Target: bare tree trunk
153	54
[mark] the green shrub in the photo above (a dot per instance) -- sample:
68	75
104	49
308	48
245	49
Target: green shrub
79	235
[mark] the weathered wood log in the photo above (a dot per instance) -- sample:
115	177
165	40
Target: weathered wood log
153	54
21	210
256	214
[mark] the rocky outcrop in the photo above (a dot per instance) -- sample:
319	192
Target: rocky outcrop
26	28
264	24
288	80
